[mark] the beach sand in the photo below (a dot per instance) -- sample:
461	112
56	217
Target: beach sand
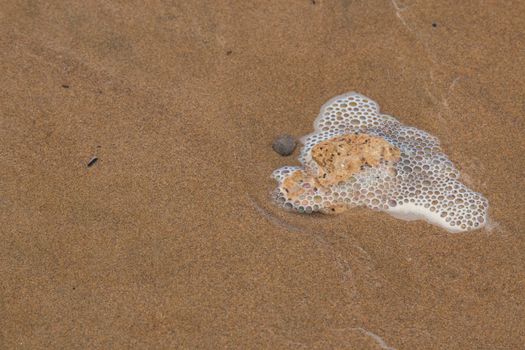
170	240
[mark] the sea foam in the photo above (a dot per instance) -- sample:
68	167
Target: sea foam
357	156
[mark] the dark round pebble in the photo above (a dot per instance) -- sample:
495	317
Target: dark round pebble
284	144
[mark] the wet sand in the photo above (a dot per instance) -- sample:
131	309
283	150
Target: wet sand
170	240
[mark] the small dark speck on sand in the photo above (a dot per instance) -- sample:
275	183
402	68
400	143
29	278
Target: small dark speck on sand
92	162
65	86
229	52
434	24
284	144
313	2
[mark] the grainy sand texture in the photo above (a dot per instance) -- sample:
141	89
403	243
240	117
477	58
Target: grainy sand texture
170	240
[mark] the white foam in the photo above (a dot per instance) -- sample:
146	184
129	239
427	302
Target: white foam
424	185
410	212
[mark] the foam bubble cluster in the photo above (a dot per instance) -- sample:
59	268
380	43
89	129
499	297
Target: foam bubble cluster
359	157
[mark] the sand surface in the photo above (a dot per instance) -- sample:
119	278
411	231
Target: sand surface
170	240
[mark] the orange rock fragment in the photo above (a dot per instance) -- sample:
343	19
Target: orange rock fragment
298	183
340	157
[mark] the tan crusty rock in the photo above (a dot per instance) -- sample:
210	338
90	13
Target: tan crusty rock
298	183
340	157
